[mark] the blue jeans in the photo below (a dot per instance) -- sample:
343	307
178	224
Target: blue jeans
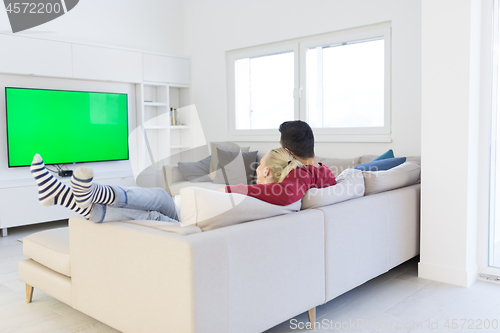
135	203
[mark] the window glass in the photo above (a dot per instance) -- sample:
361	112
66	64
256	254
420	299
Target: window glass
264	91
345	85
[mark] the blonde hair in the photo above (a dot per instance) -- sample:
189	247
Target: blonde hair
281	163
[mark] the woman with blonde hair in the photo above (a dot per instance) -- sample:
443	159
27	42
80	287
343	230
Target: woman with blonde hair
275	166
282	179
105	203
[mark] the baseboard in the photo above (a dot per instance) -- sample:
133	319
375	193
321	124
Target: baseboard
472	275
448	275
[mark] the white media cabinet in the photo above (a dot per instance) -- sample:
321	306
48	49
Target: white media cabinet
160	81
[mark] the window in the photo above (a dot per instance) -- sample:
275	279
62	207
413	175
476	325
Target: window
339	83
345	85
263	86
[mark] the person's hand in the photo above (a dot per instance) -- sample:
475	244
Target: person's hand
222	189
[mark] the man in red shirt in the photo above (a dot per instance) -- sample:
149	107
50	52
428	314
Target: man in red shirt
298	139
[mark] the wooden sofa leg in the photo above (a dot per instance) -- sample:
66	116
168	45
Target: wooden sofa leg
29	293
312	316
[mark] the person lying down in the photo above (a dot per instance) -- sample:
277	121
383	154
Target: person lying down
109	203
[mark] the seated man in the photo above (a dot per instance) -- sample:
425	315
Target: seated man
298	139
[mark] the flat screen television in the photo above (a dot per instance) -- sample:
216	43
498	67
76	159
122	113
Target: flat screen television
65	126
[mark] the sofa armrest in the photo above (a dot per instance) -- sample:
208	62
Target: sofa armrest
140	279
172	174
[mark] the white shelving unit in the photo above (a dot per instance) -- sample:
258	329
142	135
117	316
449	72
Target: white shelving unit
161	141
181	136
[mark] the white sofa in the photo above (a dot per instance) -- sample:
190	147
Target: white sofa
140	276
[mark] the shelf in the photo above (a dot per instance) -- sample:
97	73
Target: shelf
173	85
180	126
155	104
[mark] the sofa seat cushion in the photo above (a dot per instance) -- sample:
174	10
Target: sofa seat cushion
49	248
172	227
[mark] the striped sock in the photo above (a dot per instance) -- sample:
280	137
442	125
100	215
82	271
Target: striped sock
87	192
51	191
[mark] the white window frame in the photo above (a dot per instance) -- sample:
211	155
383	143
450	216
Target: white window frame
265	50
299	46
486	179
350	37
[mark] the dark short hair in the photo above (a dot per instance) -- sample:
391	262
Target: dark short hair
297	136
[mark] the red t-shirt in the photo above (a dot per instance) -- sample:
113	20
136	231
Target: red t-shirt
292	188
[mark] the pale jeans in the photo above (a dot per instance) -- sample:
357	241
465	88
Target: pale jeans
136	203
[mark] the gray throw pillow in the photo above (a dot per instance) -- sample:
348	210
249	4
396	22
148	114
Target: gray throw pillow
196	171
234	169
214	164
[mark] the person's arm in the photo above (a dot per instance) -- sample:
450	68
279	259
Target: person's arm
290	190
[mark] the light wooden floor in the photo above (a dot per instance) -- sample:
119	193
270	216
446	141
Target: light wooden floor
397	296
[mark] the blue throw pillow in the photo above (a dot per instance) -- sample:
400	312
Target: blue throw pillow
381	165
386	155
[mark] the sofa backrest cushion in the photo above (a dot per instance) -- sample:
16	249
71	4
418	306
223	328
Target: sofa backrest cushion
350	185
338	165
209	210
367	158
413	159
402	175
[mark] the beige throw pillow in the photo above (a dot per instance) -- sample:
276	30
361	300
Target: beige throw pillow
402	175
209	210
350	185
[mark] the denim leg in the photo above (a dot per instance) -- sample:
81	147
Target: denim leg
108	213
154	199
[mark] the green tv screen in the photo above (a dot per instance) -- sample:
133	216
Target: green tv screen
65	126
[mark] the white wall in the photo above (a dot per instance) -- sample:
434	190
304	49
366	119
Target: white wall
214	27
149	25
450	131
